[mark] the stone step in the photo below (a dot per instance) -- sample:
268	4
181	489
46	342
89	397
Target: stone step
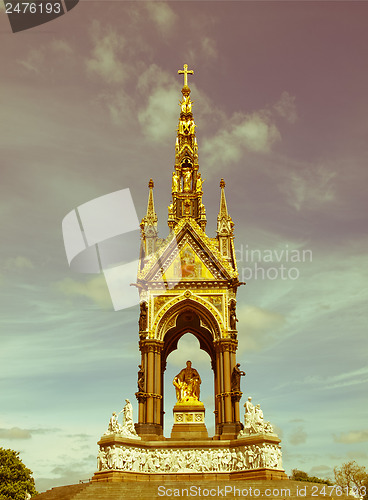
62	492
152	490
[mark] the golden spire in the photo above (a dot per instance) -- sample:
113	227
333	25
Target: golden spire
151	217
149	224
224	221
186	180
223	213
225	226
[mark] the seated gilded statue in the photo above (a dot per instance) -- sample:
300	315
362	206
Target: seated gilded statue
187	385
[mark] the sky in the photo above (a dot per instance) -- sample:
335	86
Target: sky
89	106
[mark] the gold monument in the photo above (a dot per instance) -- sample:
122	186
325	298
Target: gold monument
188	283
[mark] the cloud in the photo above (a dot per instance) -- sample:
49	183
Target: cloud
59	45
278	431
258	327
285	107
18	263
323	471
94	289
34	61
105	60
309	188
351	437
71	473
209	49
18	433
159	115
255	132
299	436
357	454
120	107
345	379
162	15
15	433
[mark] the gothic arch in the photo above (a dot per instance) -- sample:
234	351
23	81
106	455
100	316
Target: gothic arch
208	315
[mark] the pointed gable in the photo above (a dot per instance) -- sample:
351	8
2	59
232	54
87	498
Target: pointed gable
187	254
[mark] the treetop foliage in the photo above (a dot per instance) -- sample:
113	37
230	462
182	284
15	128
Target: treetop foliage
15	478
299	475
351	475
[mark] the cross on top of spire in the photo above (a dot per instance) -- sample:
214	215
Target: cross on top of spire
185	72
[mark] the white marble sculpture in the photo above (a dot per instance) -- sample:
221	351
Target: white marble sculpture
134	459
253	420
127	428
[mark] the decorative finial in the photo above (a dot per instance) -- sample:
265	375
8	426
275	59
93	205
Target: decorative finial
151	184
185	72
222	183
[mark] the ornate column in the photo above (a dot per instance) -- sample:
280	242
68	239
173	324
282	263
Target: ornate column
218	409
150	400
228	426
157	385
150	382
227	385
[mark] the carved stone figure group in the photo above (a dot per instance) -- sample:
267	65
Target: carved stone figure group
253	420
127	428
195	460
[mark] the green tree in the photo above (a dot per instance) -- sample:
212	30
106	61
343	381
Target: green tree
351	475
299	475
15	479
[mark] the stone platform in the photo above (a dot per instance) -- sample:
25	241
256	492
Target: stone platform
273	490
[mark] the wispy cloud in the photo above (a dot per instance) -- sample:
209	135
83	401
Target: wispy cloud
94	289
16	433
298	436
158	115
34	60
351	437
162	15
209	48
286	107
18	263
346	379
105	60
255	132
309	188
258	327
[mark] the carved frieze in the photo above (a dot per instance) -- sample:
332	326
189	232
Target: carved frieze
164	460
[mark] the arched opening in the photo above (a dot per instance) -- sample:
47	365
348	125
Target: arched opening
199	317
188	348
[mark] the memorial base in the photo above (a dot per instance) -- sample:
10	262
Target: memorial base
249	457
